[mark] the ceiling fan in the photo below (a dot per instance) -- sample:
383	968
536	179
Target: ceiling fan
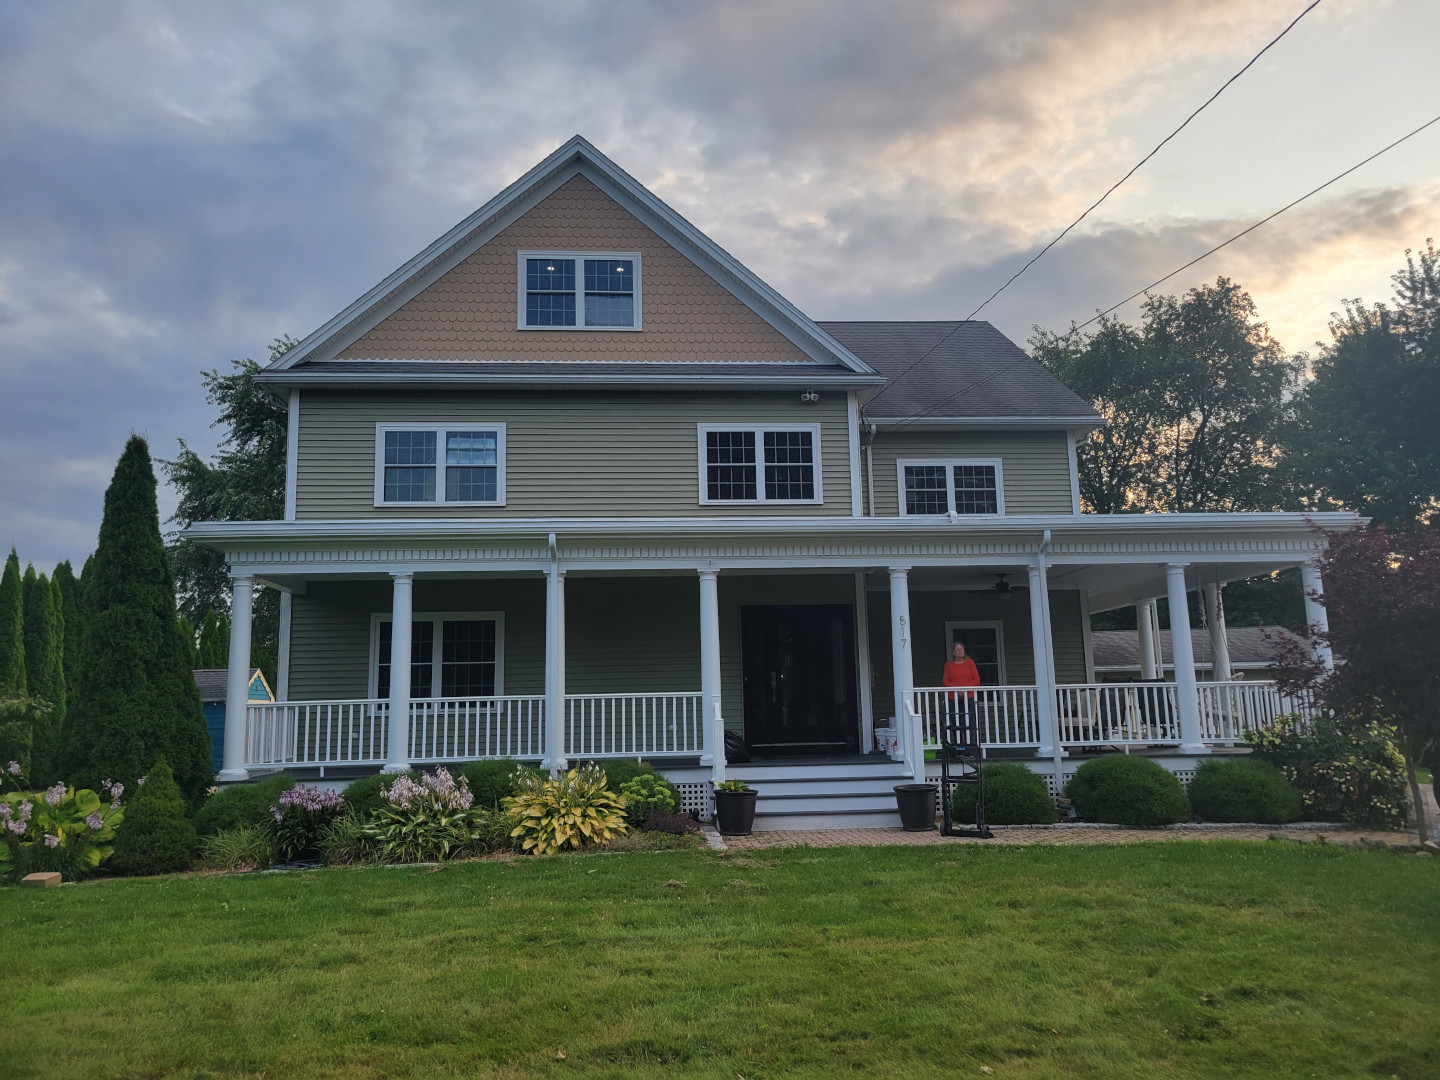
1001	586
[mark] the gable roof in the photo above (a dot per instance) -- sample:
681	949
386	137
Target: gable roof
959	372
577	157
214	683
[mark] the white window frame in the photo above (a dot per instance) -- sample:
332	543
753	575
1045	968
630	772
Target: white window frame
579	257
440	430
949	464
438	617
997	625
759	431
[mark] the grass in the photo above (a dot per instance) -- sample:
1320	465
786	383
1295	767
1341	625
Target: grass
1166	960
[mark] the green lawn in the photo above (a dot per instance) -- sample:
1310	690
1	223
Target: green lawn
1165	960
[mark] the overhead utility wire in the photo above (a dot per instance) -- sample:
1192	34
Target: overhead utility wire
1224	86
1100	315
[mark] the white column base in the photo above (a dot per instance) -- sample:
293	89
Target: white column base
1196	749
232	776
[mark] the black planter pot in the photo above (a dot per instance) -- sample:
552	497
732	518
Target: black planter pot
735	812
917	806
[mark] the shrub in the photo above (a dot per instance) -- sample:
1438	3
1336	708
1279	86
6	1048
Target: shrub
62	829
669	821
1128	790
428	821
1344	772
348	842
245	847
491	781
303	815
1243	789
365	796
237	805
1014	795
620	771
575	811
651	840
645	795
157	837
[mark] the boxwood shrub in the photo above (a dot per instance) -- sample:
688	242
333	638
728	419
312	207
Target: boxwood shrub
1128	790
238	805
1014	795
1243	789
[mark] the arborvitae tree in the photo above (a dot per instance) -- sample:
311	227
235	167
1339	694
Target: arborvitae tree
67	603
213	650
136	700
44	672
156	836
187	635
12	630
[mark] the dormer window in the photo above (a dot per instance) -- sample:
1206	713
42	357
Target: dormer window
578	290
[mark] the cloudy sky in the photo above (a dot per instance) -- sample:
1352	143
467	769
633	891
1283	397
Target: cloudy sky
180	183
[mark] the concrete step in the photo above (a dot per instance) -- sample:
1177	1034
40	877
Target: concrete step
822	785
827	819
825	802
753	774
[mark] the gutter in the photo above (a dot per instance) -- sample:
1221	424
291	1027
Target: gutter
800	380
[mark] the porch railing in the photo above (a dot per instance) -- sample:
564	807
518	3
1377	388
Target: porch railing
316	732
467	729
628	725
1229	709
1006	715
1117	714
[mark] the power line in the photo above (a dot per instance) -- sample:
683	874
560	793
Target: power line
1224	86
1100	315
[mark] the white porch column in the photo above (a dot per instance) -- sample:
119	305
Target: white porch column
1186	690
1145	624
711	719
1315	614
1040	645
903	664
554	759
402	611
1219	644
237	683
282	660
862	662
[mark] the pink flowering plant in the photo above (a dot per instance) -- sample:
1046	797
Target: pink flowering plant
429	820
60	829
303	815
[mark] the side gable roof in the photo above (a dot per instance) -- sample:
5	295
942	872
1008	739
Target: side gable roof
577	157
956	372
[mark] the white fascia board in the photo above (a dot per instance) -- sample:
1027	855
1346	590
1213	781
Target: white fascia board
1076	424
798	379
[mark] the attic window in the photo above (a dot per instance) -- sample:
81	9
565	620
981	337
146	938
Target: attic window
577	290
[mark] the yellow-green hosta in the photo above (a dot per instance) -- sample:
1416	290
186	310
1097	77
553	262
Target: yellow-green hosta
575	810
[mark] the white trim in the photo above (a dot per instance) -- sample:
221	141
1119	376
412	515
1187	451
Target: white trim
440	430
438	617
998	625
780	375
292	452
282	660
852	421
759	431
1074	475
579	257
1069	423
949	464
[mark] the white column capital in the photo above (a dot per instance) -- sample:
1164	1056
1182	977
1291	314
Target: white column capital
708	573
245	578
402	575
899	572
1174	567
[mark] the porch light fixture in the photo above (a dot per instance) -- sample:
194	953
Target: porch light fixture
810	397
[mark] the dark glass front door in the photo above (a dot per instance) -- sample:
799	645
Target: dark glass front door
798	664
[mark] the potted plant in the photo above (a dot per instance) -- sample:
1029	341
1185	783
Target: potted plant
917	806
734	807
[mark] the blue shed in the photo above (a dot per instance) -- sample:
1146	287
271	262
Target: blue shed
211	682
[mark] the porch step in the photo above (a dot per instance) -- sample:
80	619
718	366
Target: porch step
818	819
833	795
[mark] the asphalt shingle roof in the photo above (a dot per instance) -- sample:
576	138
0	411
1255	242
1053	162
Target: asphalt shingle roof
1248	645
992	375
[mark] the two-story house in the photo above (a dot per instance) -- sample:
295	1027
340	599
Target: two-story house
573	483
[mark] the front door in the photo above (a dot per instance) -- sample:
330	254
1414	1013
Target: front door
798	665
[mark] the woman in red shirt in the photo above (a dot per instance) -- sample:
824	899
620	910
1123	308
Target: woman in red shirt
960	670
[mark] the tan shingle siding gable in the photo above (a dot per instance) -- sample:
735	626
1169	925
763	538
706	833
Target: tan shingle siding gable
471	312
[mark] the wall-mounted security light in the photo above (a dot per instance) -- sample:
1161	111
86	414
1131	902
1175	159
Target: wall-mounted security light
810	397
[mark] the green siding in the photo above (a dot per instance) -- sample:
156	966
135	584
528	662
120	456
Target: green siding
632	635
1035	466
569	454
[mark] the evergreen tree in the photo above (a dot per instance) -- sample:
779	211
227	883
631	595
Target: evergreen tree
156	836
44	672
12	630
187	635
136	700
213	650
67	603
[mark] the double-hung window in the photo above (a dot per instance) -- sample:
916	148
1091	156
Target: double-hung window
446	465
576	290
741	463
451	655
958	486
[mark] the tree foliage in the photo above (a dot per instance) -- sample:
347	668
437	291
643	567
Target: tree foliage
156	836
212	650
1196	399
1368	439
136	699
245	481
12	629
44	673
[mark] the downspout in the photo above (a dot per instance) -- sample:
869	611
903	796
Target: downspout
870	468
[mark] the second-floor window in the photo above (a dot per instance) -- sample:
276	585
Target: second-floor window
579	291
965	486
453	464
759	464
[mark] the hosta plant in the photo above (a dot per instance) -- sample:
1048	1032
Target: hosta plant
302	817
61	829
646	794
572	811
427	820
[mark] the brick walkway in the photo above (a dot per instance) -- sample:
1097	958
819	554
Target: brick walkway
1059	834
